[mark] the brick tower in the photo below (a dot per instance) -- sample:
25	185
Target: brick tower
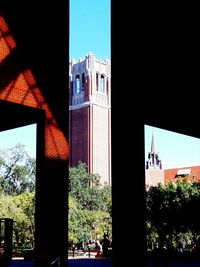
90	115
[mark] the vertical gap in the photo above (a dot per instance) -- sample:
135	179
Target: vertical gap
90	39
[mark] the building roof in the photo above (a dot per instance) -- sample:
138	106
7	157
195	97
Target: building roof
192	172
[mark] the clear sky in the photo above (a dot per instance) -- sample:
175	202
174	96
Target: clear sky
90	28
24	135
175	150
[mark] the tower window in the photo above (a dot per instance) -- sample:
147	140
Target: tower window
97	81
102	84
77	84
83	81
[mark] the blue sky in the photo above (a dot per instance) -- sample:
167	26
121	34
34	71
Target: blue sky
175	150
24	135
90	28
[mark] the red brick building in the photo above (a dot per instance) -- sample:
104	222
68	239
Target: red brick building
191	172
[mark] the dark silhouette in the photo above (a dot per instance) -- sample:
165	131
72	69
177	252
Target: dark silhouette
73	250
105	245
160	256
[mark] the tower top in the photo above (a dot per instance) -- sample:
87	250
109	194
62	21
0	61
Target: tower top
153	156
89	65
153	148
89	55
90	82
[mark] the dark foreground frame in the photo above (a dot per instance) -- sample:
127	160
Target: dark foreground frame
42	46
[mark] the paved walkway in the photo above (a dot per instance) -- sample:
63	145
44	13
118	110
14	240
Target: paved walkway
78	262
92	262
89	263
21	263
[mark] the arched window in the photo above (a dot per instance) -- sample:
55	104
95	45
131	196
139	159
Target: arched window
77	84
83	81
102	83
97	81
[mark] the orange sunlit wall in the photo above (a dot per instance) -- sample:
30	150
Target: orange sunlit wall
24	90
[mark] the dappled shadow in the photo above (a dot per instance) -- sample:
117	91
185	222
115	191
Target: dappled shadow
22	88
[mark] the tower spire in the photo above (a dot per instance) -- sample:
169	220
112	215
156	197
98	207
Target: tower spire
153	156
153	148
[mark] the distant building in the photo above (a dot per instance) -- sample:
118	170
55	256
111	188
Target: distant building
191	173
90	115
154	173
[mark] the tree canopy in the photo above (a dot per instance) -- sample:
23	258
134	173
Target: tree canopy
17	171
90	205
89	202
17	192
171	214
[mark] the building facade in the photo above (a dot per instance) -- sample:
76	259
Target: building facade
154	173
90	115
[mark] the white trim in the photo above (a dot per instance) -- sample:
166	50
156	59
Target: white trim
183	172
87	104
82	105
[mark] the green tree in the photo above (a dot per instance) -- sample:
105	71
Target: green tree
87	190
26	203
21	209
17	171
90	205
78	229
17	191
84	224
171	213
